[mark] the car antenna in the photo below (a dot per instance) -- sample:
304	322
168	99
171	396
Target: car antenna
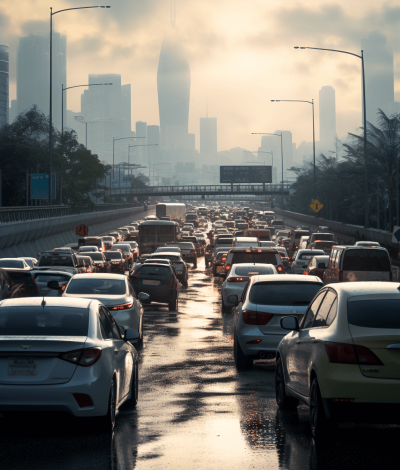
43	304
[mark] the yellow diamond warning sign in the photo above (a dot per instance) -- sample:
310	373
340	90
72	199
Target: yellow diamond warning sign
316	206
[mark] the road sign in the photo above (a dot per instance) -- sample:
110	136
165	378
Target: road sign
82	230
316	206
40	186
396	234
246	174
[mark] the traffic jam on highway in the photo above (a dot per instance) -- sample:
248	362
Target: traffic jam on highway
323	316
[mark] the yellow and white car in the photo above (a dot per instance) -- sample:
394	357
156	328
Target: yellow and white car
343	359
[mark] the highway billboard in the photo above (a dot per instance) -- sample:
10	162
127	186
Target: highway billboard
246	174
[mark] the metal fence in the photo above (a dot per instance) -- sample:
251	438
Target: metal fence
21	214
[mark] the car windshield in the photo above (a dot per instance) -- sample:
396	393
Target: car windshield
382	313
96	256
56	260
366	260
29	262
44	321
113	255
96	286
285	293
11	263
254	270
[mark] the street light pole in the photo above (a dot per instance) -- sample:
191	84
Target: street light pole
313	129
122	138
51	90
366	205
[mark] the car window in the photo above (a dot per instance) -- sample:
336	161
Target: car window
332	312
366	260
312	310
283	293
374	314
244	293
96	286
108	329
115	329
322	315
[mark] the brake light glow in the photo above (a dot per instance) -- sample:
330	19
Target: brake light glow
280	268
227	267
251	317
237	279
82	357
350	354
121	306
254	341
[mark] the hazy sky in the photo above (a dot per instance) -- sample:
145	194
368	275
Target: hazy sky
240	53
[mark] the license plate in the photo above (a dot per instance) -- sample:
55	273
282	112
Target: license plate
22	366
150	282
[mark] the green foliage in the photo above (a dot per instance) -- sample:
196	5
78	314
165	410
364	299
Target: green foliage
24	145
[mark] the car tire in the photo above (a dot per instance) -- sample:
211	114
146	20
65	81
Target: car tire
320	425
172	306
214	271
283	401
134	388
241	360
224	308
107	423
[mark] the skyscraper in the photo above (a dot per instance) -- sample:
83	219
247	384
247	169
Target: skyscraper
327	117
173	84
379	75
4	84
33	74
141	152
153	140
208	136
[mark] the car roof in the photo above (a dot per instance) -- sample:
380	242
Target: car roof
159	222
282	278
54	301
351	289
308	250
99	276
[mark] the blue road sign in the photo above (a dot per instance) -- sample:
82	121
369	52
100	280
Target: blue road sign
40	186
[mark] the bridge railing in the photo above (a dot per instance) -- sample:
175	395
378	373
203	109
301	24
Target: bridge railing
209	188
21	214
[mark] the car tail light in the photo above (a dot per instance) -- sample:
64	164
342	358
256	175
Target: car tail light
223	259
251	317
121	306
305	273
238	279
83	400
254	341
115	262
349	354
82	357
227	267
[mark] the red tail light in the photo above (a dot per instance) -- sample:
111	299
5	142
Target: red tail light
121	306
349	354
238	279
251	317
223	259
280	268
227	267
82	357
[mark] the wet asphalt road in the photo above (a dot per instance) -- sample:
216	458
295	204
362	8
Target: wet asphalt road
195	410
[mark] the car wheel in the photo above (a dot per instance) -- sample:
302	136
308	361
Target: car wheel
320	424
284	402
224	308
241	360
107	422
172	306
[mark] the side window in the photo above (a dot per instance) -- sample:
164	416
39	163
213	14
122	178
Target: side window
322	315
332	312
107	329
131	291
244	293
115	330
312	311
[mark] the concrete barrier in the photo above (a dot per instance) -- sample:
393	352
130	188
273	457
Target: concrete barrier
30	238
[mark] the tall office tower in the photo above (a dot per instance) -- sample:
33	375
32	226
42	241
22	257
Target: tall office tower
4	84
153	150
208	136
141	152
379	75
107	111
33	74
173	84
327	117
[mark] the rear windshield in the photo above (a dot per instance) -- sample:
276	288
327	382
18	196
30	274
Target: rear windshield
25	282
366	260
11	263
288	293
47	321
113	255
56	260
250	244
171	257
323	236
96	256
224	241
46	277
154	270
124	248
326	244
298	235
383	313
254	257
254	270
97	286
308	255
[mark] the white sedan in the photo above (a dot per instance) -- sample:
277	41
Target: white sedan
68	355
115	292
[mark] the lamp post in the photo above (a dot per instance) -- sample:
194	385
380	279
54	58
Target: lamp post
122	138
51	90
313	132
366	206
279	135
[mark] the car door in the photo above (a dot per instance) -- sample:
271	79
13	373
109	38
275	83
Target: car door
119	349
137	305
297	352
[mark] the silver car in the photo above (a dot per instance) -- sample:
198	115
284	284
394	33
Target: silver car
301	259
116	293
265	300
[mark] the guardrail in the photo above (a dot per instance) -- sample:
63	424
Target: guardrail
22	214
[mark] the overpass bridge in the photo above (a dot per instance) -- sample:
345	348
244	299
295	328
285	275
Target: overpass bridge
201	190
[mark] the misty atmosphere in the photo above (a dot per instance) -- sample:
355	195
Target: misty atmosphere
230	142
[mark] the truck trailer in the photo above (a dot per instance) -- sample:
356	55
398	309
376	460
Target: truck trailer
176	211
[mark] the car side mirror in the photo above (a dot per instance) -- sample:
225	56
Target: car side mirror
290	323
233	299
131	335
54	285
143	296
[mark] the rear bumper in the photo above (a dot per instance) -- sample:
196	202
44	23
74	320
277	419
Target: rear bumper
159	294
268	343
383	413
